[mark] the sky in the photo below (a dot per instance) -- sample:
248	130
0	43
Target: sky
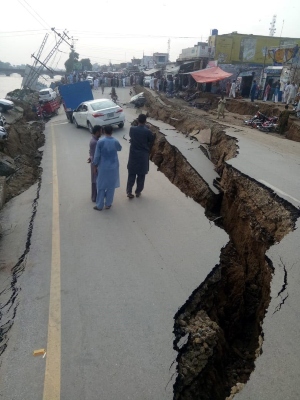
117	31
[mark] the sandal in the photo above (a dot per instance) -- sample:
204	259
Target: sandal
96	208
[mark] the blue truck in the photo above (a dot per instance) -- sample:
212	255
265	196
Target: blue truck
74	94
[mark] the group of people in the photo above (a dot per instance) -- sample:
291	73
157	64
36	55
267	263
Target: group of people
103	157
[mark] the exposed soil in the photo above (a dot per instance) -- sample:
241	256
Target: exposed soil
185	118
218	331
294	131
25	138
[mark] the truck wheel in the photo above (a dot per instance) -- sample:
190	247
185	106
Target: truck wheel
90	127
121	125
75	123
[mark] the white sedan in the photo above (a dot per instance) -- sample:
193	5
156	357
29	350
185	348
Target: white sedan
98	112
47	94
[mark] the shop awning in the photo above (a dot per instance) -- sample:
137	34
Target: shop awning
208	75
274	70
151	71
247	73
172	70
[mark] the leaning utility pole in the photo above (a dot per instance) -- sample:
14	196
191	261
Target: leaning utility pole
29	78
37	71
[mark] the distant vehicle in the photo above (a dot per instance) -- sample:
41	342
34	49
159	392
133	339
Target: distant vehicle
98	112
6	105
90	79
73	95
138	100
47	94
147	81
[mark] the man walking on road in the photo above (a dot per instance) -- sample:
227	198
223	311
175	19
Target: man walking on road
97	130
106	165
141	141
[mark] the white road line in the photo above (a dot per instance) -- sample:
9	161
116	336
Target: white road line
278	190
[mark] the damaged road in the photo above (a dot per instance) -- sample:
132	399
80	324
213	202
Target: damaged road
214	245
222	322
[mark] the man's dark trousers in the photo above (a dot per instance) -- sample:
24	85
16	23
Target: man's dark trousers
140	181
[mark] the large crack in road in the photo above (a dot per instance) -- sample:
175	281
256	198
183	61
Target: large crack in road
218	331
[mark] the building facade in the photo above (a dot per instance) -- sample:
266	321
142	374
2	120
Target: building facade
236	48
200	50
160	58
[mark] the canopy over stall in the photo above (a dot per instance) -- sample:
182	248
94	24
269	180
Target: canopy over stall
151	71
208	75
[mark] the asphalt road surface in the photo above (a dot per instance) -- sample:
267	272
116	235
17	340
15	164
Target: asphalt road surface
100	289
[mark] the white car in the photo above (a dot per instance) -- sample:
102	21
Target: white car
47	94
147	80
90	80
98	112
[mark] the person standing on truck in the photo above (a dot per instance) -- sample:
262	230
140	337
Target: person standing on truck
97	131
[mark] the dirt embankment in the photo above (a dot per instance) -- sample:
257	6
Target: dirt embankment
237	110
218	331
20	151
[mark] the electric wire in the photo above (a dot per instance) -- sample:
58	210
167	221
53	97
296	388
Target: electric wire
22	4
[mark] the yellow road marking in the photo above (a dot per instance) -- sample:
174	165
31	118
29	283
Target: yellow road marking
53	358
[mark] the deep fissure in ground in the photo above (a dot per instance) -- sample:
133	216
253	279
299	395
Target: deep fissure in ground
218	331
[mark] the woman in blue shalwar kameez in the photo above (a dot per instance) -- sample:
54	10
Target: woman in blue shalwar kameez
106	161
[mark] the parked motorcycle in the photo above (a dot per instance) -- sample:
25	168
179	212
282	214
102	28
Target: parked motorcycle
269	125
257	120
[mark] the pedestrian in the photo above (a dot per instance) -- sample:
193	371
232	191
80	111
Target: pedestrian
106	165
291	94
158	84
253	91
113	94
124	82
141	141
102	85
97	130
221	106
284	92
151	83
228	86
276	92
232	90
298	109
96	83
267	91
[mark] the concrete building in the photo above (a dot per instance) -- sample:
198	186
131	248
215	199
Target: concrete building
160	58
237	48
200	50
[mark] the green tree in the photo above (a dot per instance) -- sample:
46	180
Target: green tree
86	64
71	61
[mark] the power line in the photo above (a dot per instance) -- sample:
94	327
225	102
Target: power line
37	13
22	4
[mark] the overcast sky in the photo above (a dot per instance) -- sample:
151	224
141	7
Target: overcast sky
118	30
